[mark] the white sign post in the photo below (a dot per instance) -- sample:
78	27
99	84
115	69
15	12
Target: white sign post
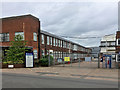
29	59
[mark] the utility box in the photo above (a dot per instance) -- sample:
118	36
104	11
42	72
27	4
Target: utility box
87	59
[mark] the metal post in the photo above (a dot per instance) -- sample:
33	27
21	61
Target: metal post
71	62
63	62
110	62
103	63
98	61
49	59
54	58
106	61
54	61
79	62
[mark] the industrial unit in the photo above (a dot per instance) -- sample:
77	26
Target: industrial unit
40	41
108	45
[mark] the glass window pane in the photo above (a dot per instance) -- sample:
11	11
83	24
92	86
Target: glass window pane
42	39
4	37
20	33
35	36
47	40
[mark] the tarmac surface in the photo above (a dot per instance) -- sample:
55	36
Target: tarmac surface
37	81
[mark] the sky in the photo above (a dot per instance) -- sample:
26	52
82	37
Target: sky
76	19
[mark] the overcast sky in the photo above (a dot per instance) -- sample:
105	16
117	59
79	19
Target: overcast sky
77	19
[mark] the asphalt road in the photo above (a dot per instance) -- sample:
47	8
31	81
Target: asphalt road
37	81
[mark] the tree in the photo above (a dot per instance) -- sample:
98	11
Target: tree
16	51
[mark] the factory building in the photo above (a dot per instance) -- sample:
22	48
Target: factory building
41	42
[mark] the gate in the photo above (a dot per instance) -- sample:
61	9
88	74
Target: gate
73	60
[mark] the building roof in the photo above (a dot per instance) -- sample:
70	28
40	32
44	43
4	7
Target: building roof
22	16
53	35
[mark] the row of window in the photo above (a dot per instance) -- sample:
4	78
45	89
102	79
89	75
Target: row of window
58	54
56	42
52	41
4	37
108	44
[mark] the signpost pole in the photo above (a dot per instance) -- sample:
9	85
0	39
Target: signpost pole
79	62
70	61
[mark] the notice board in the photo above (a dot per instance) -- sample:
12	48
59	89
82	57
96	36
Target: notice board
67	59
29	59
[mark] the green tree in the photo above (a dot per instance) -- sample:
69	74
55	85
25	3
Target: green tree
16	51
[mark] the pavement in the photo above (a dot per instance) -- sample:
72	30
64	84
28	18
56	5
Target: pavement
86	70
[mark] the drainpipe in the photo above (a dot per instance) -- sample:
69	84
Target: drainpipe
39	35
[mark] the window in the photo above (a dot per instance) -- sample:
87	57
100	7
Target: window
35	54
4	37
35	36
54	42
43	52
20	33
68	45
65	44
42	39
47	52
112	43
118	41
61	43
48	40
61	54
54	54
58	43
75	47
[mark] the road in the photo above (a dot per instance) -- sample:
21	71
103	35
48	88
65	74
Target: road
12	80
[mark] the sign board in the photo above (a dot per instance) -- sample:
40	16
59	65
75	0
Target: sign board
29	59
10	66
59	60
87	59
67	59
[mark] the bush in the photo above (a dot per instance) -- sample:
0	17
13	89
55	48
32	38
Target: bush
11	62
45	62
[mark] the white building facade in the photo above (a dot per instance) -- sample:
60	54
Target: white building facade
108	45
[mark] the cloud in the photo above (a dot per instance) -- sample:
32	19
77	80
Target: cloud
71	19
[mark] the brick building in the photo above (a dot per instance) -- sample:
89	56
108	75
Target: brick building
118	45
42	42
